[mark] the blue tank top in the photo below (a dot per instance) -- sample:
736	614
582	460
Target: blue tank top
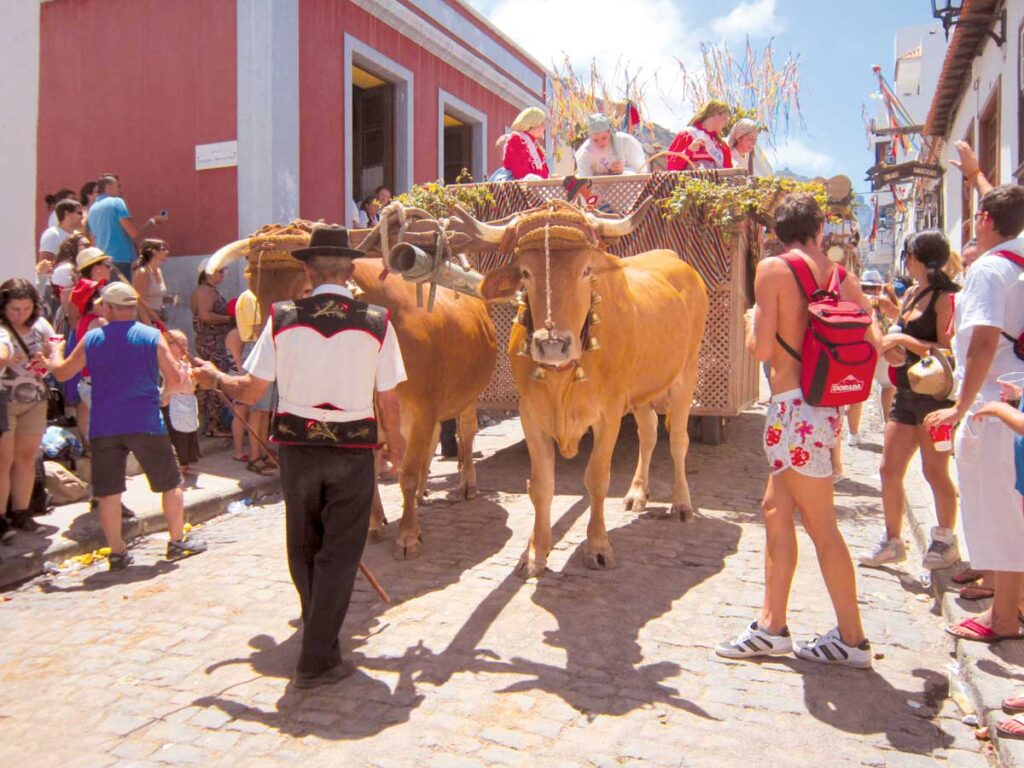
122	359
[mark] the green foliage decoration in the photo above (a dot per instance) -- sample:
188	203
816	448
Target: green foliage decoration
437	199
727	203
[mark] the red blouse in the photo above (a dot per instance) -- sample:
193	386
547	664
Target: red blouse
694	147
519	159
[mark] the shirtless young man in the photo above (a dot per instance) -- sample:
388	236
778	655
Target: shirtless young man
798	440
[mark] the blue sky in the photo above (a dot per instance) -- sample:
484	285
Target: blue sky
837	40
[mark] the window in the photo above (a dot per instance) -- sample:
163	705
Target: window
988	137
967	199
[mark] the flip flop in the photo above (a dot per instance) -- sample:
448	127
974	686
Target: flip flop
260	469
976	593
1012	728
1013	705
966	576
973	630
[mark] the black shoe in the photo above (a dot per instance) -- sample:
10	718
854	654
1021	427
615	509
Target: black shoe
186	547
23	521
126	513
333	675
6	531
118	562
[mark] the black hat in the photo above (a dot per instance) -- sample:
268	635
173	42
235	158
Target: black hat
328	240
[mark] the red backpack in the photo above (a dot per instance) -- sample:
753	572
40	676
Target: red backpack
1018	343
837	363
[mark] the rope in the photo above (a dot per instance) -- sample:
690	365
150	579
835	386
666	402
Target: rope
548	321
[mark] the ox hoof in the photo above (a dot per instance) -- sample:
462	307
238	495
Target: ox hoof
469	492
409	550
635	501
684	511
377	535
529	568
599	561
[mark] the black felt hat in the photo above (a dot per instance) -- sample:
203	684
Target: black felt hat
328	240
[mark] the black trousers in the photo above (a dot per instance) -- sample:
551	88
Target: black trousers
328	493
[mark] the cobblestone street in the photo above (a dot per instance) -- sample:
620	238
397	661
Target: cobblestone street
189	663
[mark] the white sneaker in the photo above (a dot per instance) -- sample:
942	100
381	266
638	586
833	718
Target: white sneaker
756	641
943	551
853	440
830	649
885	552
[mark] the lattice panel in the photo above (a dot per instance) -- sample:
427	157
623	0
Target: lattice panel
501	392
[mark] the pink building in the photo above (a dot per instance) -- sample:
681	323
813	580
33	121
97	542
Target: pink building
234	113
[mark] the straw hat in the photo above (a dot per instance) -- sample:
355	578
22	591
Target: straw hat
89	256
932	375
119	295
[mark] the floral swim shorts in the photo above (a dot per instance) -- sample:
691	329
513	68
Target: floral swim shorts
799	436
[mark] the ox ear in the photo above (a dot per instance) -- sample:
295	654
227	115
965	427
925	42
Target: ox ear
501	283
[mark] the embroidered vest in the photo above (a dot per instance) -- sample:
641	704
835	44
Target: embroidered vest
327	314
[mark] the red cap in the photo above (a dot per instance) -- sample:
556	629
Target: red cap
231	307
83	291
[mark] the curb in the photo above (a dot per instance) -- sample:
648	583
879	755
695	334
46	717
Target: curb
17	569
975	680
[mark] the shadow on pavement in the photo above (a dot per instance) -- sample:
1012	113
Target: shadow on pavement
105	579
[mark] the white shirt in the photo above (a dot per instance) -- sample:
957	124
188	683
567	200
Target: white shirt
993	296
342	371
51	239
591	161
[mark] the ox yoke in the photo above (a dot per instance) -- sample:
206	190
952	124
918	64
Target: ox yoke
653	311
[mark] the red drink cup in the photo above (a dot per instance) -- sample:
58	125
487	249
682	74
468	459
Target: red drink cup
942	437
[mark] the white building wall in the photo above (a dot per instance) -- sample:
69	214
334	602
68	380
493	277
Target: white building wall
19	95
995	65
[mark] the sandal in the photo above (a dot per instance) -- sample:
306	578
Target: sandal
973	630
259	468
244	457
1012	728
966	576
976	593
1013	705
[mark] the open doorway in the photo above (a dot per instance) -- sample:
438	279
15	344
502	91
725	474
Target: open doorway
373	133
458	148
461	133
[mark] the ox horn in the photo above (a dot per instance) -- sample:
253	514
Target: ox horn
418	266
225	256
621	227
480	233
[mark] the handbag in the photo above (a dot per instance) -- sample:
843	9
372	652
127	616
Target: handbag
932	375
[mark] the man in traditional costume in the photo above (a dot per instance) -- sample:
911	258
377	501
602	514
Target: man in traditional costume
988	320
523	156
699	146
609	152
327	429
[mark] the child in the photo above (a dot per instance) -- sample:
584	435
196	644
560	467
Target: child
181	408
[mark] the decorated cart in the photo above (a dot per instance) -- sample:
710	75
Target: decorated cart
723	250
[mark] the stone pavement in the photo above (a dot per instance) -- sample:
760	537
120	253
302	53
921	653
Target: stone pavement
189	662
74	529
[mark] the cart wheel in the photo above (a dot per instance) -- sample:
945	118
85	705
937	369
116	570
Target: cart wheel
712	430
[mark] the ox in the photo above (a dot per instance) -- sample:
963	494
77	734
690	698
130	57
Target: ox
573	374
454	343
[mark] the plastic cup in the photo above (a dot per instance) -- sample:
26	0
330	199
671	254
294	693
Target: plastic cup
1010	393
942	438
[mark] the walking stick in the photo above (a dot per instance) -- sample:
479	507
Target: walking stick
259	441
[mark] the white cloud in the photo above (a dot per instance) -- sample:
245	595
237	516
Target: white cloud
799	157
756	18
647	36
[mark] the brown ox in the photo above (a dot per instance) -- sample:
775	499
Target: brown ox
574	374
449	353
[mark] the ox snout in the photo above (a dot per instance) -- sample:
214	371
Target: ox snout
555	347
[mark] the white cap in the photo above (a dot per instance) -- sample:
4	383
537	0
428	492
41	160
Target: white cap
63	275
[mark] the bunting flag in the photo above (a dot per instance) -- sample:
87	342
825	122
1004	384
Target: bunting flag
899	116
632	118
874	224
900	205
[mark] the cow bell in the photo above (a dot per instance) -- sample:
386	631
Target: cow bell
579	374
524	349
538	374
418	266
594	319
595	299
593	345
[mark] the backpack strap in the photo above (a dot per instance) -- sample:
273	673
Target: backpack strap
1019	261
805	279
